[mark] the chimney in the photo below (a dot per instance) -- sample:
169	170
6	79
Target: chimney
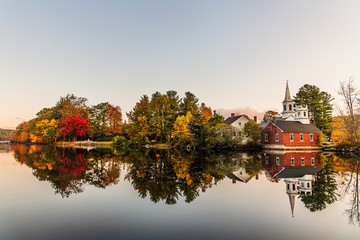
232	114
233	181
255	119
274	119
277	179
257	176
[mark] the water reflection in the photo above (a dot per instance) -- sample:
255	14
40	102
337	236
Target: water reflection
349	184
69	169
316	179
161	175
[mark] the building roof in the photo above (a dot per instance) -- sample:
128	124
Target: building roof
298	172
234	177
292	126
231	120
296	126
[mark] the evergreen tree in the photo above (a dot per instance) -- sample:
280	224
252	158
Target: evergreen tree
319	105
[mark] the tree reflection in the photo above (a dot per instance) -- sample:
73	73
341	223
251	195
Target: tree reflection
161	175
350	184
68	169
324	187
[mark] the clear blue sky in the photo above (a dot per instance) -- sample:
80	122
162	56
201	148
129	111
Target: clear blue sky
231	54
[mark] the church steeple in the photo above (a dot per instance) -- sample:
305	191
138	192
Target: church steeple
288	105
287	92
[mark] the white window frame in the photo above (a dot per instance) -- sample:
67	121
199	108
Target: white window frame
276	137
302	161
311	137
301	137
266	137
267	160
292	161
277	161
312	161
291	137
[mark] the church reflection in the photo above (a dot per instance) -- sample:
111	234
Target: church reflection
296	169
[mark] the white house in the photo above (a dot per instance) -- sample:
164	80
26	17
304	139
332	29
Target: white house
238	121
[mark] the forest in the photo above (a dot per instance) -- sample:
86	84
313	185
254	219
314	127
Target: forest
162	119
6	134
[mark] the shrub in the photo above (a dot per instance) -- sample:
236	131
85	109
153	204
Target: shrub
120	141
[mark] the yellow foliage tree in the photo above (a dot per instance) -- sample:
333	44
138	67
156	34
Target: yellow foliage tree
339	132
181	127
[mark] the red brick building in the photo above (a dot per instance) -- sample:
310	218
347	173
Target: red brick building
292	130
290	135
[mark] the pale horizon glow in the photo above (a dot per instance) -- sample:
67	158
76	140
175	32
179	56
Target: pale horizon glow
230	54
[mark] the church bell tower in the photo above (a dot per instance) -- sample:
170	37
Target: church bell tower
288	105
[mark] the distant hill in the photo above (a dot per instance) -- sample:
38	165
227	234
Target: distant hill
5	134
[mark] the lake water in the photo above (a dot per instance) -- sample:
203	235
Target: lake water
65	193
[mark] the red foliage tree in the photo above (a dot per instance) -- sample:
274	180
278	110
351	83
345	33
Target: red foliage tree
74	127
74	166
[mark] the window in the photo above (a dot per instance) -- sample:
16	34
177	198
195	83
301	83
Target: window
298	114
291	137
267	160
301	137
284	108
311	137
288	186
304	114
308	185
277	160
290	107
276	137
302	161
312	161
239	124
293	187
292	162
266	137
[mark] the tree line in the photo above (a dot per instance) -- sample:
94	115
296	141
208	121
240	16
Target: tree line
159	119
71	118
6	134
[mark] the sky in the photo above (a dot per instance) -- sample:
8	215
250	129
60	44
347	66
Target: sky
235	56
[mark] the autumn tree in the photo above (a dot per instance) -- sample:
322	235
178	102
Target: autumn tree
114	119
181	132
206	111
45	131
270	114
74	127
319	106
70	106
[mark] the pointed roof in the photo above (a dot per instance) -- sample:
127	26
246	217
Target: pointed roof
292	202
231	120
287	92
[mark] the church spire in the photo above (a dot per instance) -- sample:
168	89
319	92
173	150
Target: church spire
287	92
288	105
292	202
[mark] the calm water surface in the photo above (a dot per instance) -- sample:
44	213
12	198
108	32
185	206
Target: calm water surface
64	193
